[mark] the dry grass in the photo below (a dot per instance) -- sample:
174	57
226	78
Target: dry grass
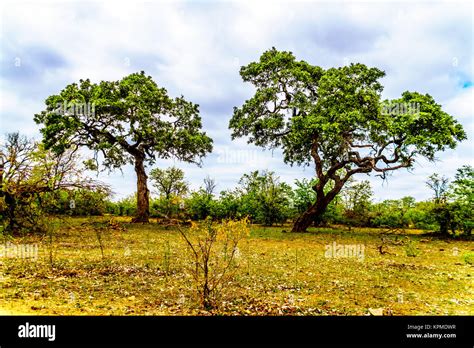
141	271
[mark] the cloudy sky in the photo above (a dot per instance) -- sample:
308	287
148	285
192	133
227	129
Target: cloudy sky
196	48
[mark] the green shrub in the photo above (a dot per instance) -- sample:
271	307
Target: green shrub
79	202
468	258
125	207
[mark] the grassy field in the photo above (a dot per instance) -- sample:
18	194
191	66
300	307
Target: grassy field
141	270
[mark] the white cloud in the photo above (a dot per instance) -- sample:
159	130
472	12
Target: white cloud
196	48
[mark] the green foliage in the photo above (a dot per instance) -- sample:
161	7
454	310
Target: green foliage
443	215
297	105
201	205
453	207
463	185
121	119
304	195
78	202
124	207
401	213
171	187
420	216
261	197
264	198
334	119
229	205
356	197
130	121
462	189
468	258
169	182
462	217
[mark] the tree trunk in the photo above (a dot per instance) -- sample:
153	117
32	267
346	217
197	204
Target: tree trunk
143	203
311	215
316	211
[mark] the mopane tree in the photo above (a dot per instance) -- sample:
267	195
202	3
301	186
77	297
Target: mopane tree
130	121
335	120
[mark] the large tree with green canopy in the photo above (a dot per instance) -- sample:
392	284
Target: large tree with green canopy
335	120
130	121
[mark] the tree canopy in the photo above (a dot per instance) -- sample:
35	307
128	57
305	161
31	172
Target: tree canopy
169	182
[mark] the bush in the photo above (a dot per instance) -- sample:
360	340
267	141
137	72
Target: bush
403	213
214	252
420	216
166	208
453	217
80	202
264	198
469	258
125	207
200	205
228	206
462	217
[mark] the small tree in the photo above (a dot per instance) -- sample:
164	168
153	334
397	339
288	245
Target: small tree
453	204
463	185
304	195
170	184
209	185
462	192
396	213
336	120
229	205
265	198
440	185
131	121
201	204
357	199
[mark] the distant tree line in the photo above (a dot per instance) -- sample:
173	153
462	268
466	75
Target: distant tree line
37	182
264	199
